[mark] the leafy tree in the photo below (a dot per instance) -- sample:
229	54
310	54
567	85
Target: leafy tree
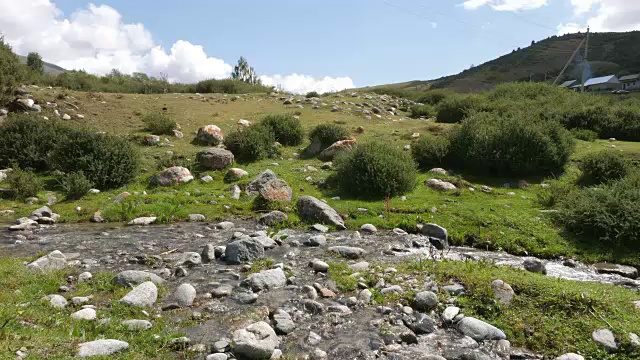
245	73
35	63
10	71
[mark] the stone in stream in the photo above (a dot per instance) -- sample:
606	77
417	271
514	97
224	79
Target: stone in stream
534	265
55	260
267	279
142	295
208	253
622	270
605	338
502	291
184	295
312	209
43	211
129	278
243	250
425	301
449	314
273	218
142	221
348	252
438	236
317	240
56	301
319	266
136	324
479	330
190	259
101	347
255	342
283	323
218	356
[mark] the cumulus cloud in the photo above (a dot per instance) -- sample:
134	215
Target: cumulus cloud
505	5
97	40
604	15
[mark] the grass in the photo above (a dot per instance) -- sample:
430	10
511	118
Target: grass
548	316
29	322
512	223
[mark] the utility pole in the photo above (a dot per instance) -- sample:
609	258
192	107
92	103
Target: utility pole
586	54
555	82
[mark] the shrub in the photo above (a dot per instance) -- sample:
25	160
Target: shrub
11	72
516	144
228	86
327	134
28	141
454	109
422	110
584	134
602	167
312	94
434	97
75	185
23	183
251	144
375	169
286	129
106	160
610	214
159	123
430	151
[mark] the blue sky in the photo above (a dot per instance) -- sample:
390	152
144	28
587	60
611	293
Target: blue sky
367	41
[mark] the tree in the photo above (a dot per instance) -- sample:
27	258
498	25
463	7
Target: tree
10	72
34	62
243	72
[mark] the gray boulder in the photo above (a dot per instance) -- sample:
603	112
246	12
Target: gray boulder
172	176
253	188
348	251
273	218
438	236
605	338
129	278
312	209
43	211
235	174
243	250
142	221
136	324
479	330
56	301
570	356
101	347
267	279
317	240
208	253
184	295
209	135
534	265
502	291
622	270
214	158
283	323
425	301
84	314
256	342
142	295
55	260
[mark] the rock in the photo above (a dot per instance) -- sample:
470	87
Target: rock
235	174
85	276
256	342
225	225
534	265
337	148
634	340
438	236
136	324
318	354
208	253
121	196
622	270
479	330
190	259
348	252
449	314
276	190
84	314
314	339
214	158
420	324
80	300
55	260
101	347
243	250
66	117
267	279
570	356
142	295
425	301
129	278
196	217
43	211
184	295
172	176
283	323
368	229
177	133
243	122
97	217
209	135
253	188
273	218
312	209
142	221
319	266
439	185
454	289
502	291
317	240
326	293
605	338
56	301
219	356
206	179
439	171
319	227
222	291
365	296
151	140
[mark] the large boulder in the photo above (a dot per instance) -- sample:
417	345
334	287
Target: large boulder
209	135
440	185
267	279
438	236
142	295
55	260
502	291
276	190
172	176
243	250
273	218
312	209
253	188
256	342
214	158
337	148
479	330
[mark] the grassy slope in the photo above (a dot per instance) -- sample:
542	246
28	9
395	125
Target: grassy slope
496	221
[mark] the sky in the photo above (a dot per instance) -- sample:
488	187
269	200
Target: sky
299	45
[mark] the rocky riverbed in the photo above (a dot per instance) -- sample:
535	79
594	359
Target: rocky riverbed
254	294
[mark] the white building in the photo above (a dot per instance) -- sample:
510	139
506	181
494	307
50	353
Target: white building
630	82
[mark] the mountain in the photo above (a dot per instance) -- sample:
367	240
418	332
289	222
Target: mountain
609	53
48	67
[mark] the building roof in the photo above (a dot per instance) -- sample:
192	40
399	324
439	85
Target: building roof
630	77
568	83
602	80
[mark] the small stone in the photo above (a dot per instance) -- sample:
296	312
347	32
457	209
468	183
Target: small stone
317	240
319	266
454	289
257	341
267	279
605	338
196	217
368	229
449	314
425	301
101	347
502	291
136	324
84	314
142	295
85	276
318	354
313	338
222	291
57	301
365	296
479	330
283	322
79	300
534	265
184	295
319	227
570	356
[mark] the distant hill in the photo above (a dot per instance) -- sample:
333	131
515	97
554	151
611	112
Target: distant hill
609	53
48	67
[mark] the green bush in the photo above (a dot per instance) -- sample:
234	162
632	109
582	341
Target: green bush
422	110
375	169
454	109
75	185
434	97
29	141
286	129
228	86
312	94
11	72
430	151
327	134
602	167
159	123
517	144
106	160
609	214
23	183
584	134
251	144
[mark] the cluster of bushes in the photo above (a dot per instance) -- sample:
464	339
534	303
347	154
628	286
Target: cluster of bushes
159	123
422	110
226	86
105	161
327	134
11	72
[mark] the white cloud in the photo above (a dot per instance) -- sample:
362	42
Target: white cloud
505	5
604	15
97	40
